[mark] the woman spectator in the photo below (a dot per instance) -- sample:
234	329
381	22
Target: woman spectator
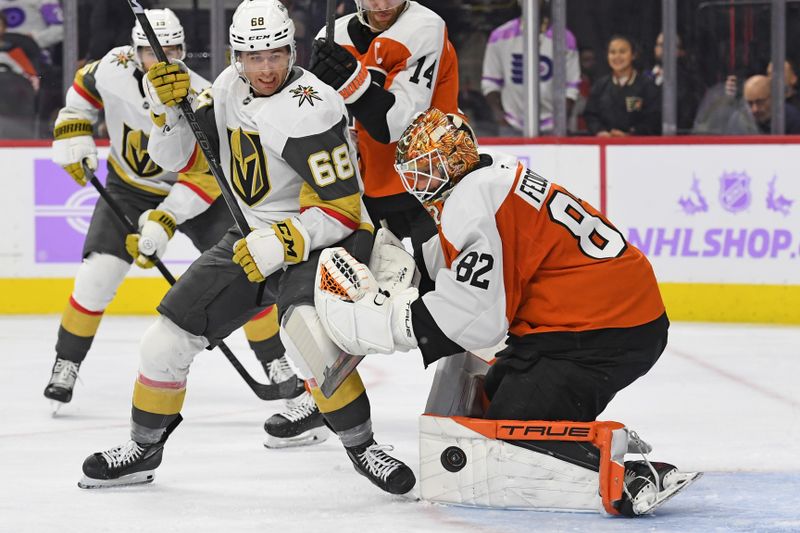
624	102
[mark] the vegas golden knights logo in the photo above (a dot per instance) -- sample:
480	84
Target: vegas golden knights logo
134	152
248	166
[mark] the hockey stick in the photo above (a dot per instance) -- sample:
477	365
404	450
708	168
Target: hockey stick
330	20
262	390
200	135
345	364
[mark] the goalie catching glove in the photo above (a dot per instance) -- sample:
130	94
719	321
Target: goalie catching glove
340	69
359	317
156	228
73	143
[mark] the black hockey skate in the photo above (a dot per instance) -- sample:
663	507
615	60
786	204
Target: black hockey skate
648	485
279	372
371	461
62	380
132	463
300	425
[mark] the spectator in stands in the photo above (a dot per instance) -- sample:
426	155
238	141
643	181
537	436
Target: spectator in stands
757	95
18	54
790	77
588	62
38	19
624	102
721	112
690	83
503	77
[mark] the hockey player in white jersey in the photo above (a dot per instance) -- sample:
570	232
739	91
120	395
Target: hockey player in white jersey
284	146
161	201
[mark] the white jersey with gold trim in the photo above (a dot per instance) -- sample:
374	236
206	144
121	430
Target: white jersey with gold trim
288	155
114	84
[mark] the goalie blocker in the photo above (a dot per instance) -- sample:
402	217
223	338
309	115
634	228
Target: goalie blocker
541	465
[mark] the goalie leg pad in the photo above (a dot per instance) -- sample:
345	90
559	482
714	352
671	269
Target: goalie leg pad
461	466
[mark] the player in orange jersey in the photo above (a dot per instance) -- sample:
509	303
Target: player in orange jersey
521	256
390	60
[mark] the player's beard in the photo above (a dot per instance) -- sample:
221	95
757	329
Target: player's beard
383	20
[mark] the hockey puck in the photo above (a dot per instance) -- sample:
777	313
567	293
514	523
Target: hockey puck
454	459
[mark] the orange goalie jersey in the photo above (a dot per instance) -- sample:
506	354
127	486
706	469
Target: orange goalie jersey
519	254
413	60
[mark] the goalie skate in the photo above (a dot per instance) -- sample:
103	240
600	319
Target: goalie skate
300	425
649	485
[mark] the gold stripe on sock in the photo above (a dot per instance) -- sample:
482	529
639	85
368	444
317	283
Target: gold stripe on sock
263	327
351	389
156	400
79	322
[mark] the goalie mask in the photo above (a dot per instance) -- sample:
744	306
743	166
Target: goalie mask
262	40
168	30
379	15
434	153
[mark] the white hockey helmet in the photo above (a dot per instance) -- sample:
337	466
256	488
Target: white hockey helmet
166	26
261	25
363	7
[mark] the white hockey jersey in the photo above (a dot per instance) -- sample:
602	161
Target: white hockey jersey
287	157
503	71
114	84
518	254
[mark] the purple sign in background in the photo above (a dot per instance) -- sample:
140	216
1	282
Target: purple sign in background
62	212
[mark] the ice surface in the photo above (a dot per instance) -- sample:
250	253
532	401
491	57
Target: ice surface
723	399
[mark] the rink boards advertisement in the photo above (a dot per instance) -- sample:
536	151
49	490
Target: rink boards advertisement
719	222
45	224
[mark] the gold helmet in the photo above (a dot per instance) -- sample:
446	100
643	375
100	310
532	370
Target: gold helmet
434	153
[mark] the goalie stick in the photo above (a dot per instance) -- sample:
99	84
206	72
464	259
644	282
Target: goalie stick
335	374
262	390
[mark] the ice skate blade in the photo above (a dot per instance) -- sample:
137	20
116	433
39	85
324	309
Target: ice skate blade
55	406
309	438
687	478
137	478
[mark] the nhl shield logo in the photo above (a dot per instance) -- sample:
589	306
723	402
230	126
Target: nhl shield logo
134	152
249	174
734	191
